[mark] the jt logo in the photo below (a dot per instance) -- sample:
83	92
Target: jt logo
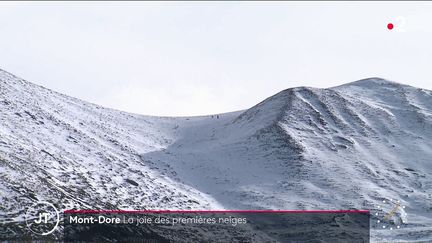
43	215
42	218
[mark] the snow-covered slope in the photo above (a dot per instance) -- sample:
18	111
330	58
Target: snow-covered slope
347	147
60	149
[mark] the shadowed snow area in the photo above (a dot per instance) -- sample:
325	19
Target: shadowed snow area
346	147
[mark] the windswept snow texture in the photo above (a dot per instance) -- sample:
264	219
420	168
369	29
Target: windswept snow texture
346	147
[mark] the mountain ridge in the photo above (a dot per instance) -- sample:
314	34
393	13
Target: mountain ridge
345	147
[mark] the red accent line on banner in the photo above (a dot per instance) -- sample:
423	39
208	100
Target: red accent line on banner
212	211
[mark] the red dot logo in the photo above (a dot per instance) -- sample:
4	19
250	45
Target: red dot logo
390	26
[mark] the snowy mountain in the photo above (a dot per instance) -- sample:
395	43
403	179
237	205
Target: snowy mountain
346	147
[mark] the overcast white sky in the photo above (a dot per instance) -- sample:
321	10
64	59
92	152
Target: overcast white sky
192	58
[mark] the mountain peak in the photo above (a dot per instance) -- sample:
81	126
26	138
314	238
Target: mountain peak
373	82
